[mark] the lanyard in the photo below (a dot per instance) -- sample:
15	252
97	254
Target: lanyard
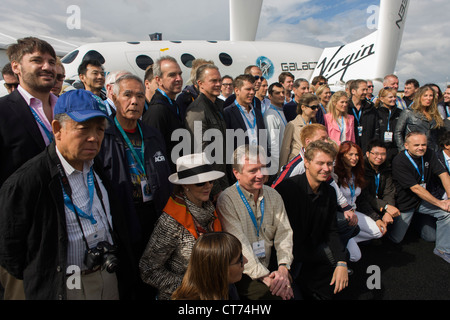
310	121
251	126
357	117
139	159
377	183
389	119
352	188
342	129
165	95
323	109
48	133
69	204
274	108
415	166
250	211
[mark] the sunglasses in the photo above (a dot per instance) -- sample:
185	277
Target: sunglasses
258	77
369	86
313	107
240	261
11	85
203	183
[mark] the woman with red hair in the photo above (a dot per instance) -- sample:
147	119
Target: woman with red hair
349	175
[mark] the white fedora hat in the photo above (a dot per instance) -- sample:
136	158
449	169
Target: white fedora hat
194	168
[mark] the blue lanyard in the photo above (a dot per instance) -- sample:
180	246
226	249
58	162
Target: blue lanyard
139	159
352	188
310	121
81	213
250	211
165	95
342	129
146	105
415	166
274	108
48	133
323	109
251	126
446	162
389	119
357	117
377	183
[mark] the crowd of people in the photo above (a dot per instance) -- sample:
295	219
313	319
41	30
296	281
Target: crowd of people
100	202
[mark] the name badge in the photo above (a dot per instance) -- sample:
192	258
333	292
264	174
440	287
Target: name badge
146	192
360	131
259	249
423	185
388	136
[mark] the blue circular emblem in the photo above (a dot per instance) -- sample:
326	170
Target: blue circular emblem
266	66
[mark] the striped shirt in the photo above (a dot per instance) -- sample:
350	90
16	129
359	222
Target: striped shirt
94	233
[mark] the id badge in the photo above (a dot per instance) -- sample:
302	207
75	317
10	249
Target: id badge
146	192
388	136
423	185
360	131
259	249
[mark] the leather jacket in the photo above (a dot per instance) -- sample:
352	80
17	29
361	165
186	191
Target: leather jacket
412	121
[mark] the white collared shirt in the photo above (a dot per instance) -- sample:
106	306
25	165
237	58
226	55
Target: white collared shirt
80	196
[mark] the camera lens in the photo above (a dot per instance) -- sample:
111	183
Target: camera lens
110	263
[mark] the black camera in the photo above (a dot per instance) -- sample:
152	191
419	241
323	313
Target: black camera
102	256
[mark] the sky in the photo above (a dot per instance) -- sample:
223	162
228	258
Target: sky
423	54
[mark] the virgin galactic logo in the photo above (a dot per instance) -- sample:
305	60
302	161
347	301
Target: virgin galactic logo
266	66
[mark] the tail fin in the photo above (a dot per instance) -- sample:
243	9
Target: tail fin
244	19
371	57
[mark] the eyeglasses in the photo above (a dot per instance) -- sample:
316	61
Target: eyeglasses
376	154
321	83
240	261
60	77
258	77
11	85
203	183
369	86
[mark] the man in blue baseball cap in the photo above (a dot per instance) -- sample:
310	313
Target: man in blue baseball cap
60	230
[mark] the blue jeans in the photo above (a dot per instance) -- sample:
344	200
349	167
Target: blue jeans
401	224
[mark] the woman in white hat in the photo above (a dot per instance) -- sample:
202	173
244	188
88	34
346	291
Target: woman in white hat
188	214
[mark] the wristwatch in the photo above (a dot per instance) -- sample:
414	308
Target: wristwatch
287	266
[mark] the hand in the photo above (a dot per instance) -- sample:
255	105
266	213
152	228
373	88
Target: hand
393	211
351	217
444	205
340	278
280	284
387	219
382	226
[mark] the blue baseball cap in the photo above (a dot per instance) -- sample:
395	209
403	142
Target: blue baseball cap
81	105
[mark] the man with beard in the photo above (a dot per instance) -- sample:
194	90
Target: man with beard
25	117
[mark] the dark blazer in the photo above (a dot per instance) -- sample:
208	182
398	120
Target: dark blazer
20	137
234	120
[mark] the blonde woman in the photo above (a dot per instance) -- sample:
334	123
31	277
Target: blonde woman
340	125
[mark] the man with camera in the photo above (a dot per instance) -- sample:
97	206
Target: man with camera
60	230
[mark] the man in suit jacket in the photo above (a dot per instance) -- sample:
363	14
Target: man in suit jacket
243	114
25	118
26	114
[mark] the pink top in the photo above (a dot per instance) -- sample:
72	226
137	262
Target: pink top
334	128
